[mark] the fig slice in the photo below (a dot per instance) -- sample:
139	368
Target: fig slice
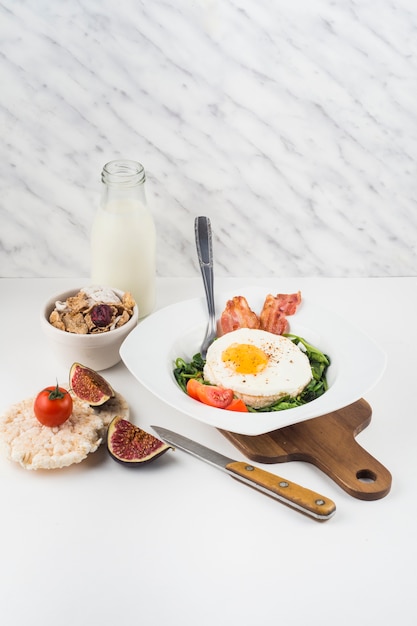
132	446
89	385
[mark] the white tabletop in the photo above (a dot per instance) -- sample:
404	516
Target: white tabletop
179	542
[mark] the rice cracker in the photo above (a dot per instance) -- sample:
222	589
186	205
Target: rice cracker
26	441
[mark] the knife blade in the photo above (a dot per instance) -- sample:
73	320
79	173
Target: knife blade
300	498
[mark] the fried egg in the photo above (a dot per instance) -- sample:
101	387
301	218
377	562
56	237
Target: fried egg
258	366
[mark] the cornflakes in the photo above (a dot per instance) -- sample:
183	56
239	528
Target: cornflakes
76	313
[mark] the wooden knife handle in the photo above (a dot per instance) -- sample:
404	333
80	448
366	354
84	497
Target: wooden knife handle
300	498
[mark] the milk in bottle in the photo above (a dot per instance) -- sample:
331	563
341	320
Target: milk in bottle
123	239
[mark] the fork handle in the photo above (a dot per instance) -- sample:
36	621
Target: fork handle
203	238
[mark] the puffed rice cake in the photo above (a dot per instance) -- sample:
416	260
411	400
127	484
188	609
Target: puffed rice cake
25	440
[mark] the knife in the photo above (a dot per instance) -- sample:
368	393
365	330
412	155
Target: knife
287	492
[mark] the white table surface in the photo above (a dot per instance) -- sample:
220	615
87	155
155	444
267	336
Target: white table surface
179	542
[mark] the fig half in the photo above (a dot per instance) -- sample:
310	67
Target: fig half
89	385
130	445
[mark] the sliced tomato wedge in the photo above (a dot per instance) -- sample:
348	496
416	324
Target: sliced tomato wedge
237	404
192	386
215	396
212	395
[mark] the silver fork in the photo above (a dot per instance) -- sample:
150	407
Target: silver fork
203	240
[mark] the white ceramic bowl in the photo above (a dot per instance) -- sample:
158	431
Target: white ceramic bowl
98	351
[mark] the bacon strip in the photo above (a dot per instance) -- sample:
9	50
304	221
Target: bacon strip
273	317
237	314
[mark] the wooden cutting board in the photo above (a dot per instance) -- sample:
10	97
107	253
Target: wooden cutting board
328	442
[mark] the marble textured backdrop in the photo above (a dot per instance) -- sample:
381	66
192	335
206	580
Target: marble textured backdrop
291	124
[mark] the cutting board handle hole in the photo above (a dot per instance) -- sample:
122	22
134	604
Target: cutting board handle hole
366	476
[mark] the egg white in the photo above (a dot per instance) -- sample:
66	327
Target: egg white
278	368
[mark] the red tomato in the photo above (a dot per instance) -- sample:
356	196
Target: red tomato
237	405
192	388
212	395
209	394
53	406
215	396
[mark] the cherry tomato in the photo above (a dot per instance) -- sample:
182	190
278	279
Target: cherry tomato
237	404
210	394
53	406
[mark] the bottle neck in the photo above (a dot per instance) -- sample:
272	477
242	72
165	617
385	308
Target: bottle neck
123	174
123	184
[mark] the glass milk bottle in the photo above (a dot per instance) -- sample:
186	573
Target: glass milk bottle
123	238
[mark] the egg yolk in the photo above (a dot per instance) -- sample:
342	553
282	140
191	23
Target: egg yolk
244	358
